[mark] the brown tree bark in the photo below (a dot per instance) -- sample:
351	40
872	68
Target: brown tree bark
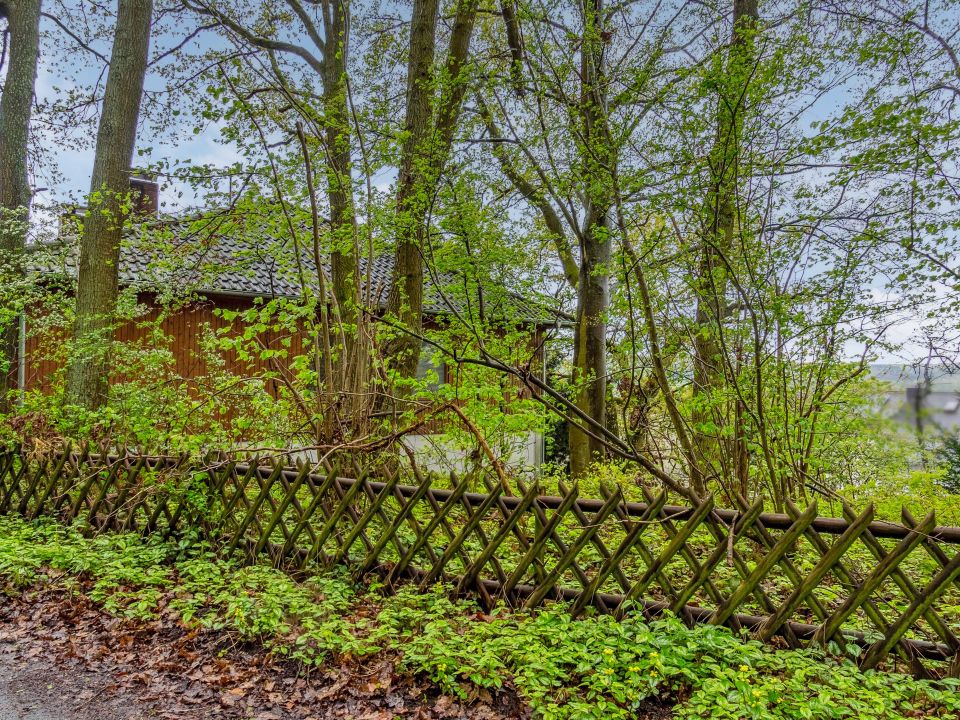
589	273
428	138
97	281
721	225
23	25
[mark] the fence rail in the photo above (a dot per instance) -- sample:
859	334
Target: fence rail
888	593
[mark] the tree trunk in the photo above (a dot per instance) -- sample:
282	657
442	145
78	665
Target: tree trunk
23	19
593	291
352	357
406	293
590	343
427	142
712	277
344	262
97	288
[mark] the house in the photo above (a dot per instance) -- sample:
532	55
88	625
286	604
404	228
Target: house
925	399
226	270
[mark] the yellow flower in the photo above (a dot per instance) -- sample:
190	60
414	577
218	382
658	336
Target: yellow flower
633	669
654	654
744	668
608	671
757	693
608	651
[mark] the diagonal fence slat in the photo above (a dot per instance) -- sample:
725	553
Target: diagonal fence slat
777	552
570	556
579	513
423	535
318	492
474	518
55	478
831	626
921	603
511	519
588	596
787	565
559	544
376	502
677	543
688	556
849	576
721	551
289	496
547	531
904	583
809	584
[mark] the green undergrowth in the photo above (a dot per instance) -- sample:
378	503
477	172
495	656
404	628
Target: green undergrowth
594	667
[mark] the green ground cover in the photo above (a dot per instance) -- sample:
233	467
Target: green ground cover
594	667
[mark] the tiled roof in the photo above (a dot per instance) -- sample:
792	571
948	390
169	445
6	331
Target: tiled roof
241	267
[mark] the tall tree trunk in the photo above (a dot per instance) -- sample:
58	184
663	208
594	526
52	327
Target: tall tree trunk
427	141
593	291
23	22
97	287
406	293
590	339
352	355
712	277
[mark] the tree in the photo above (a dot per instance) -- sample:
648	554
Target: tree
720	224
23	26
428	134
557	132
109	207
320	42
599	160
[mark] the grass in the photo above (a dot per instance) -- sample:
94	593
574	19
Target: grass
594	667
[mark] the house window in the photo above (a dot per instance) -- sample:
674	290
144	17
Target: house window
433	372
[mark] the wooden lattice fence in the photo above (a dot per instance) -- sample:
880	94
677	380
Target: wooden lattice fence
888	593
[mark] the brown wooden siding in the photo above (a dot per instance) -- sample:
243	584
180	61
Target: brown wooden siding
184	331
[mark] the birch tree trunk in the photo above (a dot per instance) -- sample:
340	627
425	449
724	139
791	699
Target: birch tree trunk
97	281
23	24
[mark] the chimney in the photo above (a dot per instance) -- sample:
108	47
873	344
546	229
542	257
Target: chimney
146	201
146	195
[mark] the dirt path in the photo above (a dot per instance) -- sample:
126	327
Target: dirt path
63	659
35	690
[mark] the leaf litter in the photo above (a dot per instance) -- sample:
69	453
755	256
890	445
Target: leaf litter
62	657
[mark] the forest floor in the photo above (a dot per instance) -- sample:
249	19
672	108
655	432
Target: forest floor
62	658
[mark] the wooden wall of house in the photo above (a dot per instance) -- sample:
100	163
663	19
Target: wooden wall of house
183	329
184	332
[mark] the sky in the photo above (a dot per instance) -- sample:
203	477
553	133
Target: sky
75	164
